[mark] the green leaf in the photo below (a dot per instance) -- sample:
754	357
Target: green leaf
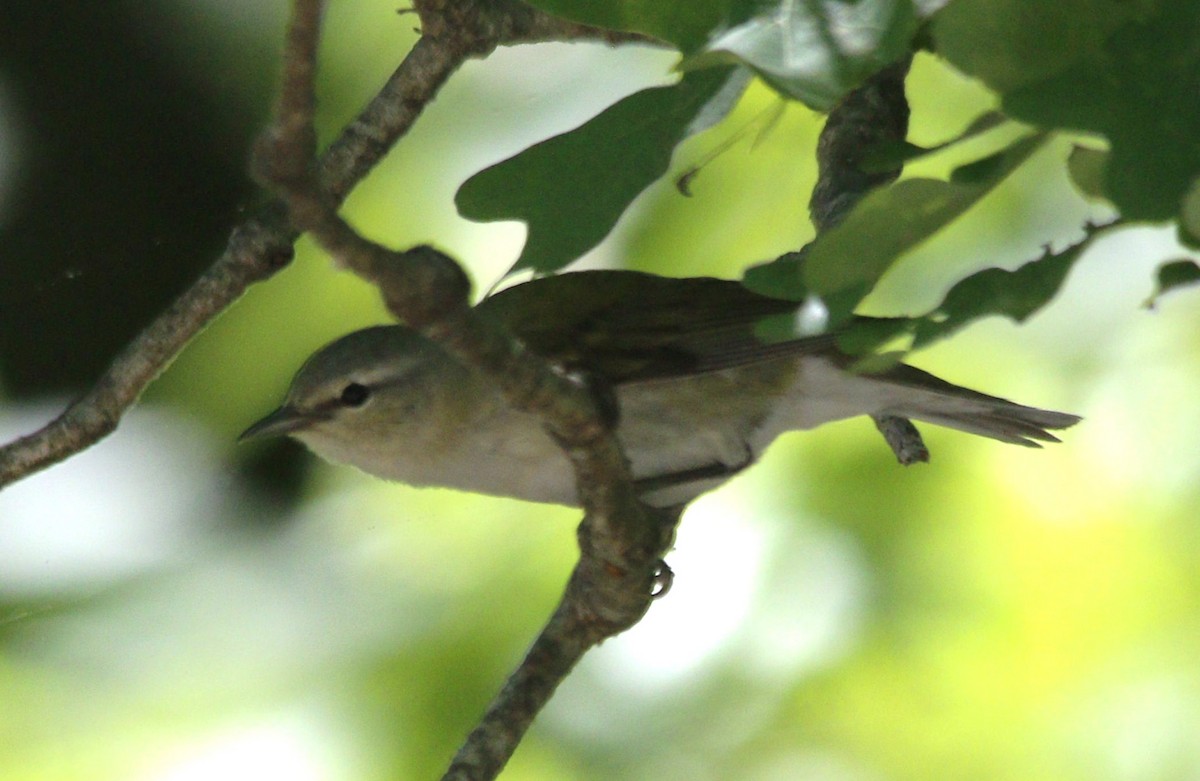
776	328
1174	274
982	171
778	279
1011	44
868	335
845	262
1127	70
685	23
571	189
995	291
815	51
1086	167
890	156
1189	217
876	363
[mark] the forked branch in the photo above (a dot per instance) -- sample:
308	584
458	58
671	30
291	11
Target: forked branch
621	541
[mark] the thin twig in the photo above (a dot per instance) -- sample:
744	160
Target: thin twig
256	250
903	438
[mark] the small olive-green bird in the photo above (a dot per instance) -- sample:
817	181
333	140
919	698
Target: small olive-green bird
698	396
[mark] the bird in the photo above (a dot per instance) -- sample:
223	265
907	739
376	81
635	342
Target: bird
698	396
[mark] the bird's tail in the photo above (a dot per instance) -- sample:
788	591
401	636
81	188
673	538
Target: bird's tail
936	401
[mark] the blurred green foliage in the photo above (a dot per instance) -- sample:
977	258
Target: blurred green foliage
164	614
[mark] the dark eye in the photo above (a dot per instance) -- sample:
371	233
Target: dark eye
354	395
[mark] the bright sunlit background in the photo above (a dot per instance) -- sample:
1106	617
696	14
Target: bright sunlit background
999	613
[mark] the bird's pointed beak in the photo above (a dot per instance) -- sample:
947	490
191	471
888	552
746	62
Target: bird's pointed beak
284	420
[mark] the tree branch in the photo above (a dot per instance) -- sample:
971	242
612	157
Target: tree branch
256	250
620	540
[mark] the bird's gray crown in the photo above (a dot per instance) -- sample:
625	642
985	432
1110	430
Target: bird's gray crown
372	356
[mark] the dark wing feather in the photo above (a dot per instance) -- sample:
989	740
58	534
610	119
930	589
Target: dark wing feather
629	326
626	327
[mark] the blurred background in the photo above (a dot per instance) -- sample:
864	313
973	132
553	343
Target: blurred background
175	607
